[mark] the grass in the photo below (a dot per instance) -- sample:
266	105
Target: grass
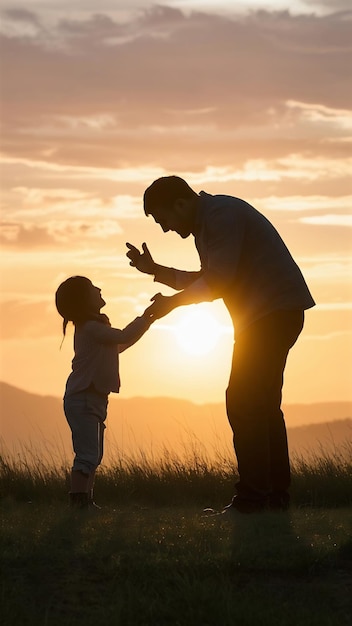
150	557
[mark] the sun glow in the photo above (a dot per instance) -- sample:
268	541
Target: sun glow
197	331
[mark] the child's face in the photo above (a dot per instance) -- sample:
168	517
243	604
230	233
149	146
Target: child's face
96	302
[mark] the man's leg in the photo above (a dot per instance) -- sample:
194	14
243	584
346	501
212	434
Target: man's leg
253	402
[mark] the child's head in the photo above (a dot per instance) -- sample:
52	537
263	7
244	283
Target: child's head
77	300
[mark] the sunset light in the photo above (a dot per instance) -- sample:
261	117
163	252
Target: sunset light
176	312
87	127
197	331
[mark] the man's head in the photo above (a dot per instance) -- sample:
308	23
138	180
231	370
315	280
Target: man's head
172	203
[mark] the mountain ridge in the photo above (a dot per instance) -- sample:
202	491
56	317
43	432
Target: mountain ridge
153	425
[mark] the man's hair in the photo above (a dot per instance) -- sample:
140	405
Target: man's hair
164	191
72	298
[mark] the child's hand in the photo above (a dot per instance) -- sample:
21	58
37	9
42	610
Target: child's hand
142	261
150	314
162	305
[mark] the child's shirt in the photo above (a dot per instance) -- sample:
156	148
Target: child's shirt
96	360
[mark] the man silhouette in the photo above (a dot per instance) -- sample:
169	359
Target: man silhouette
245	262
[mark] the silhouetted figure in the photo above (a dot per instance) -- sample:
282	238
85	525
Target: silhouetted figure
245	262
95	373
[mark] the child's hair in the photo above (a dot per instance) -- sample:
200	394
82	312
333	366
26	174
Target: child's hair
72	300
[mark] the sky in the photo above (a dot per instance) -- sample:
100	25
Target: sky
251	99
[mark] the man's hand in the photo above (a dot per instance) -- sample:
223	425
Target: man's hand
143	261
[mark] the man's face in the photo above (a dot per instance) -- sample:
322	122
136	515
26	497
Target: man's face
179	218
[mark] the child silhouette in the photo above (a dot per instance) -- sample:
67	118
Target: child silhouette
95	373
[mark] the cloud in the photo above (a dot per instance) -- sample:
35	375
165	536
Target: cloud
36	202
328	220
297	167
333	5
333	270
304	203
234	104
56	233
22	23
99	99
13	233
60	216
241	71
106	102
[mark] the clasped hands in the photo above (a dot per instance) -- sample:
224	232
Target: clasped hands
161	306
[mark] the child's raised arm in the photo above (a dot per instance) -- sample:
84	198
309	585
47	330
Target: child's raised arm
148	320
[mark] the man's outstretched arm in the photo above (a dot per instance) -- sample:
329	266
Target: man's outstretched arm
198	291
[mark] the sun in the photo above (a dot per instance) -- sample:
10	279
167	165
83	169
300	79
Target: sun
197	331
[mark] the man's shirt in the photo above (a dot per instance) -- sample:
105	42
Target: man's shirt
245	262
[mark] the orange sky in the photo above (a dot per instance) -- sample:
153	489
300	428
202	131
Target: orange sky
96	106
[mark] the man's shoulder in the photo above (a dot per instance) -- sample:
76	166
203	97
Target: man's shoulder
223	207
221	200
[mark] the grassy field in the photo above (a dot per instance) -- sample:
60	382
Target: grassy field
151	558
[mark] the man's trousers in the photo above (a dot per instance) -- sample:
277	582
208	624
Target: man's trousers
253	402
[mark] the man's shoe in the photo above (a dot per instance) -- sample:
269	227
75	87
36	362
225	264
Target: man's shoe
241	505
278	501
93	506
78	500
209	512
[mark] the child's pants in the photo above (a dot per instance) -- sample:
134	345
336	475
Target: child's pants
86	412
